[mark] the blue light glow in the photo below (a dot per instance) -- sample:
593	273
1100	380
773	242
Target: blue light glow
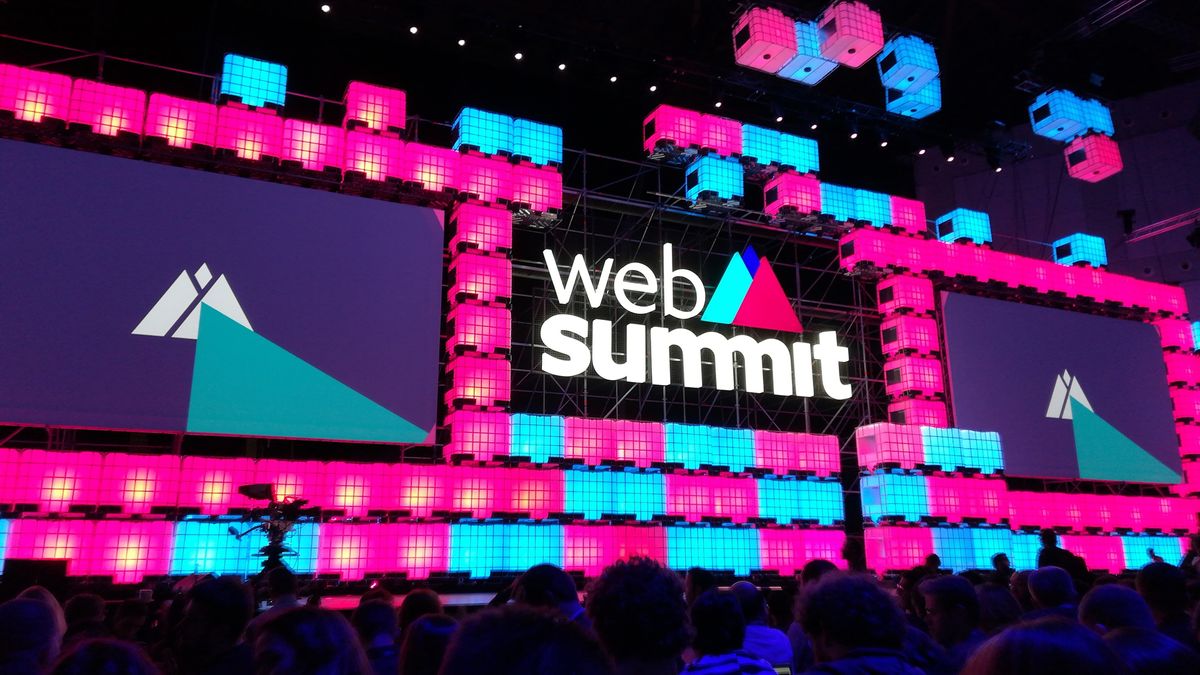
480	549
785	499
1136	555
713	548
799	153
964	224
487	132
541	143
253	81
538	437
906	62
916	103
893	494
1080	247
873	207
206	547
693	445
1059	115
760	144
596	493
838	202
713	175
953	448
808	66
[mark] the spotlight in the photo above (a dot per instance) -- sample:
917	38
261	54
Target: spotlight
853	135
883	143
921	151
653	88
462	43
413	30
562	66
717	104
779	119
325	8
999	169
613	78
950	158
518	56
813	126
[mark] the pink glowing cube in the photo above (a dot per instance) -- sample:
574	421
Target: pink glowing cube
792	193
903	293
909	215
375	156
44	539
782	452
919	412
668	125
721	135
482	226
764	39
591	548
10	466
33	95
347	550
896	548
477	491
55	481
479	381
787	550
1093	158
128	551
374	107
917	334
482	435
479	329
1189	440
139	482
913	374
538	187
251	133
315	147
695	497
489	179
296	480
851	33
483	278
643	443
182	122
107	109
1183	368
590	440
422	489
1100	552
882	444
416	549
436	169
1190	486
1187	404
210	483
537	492
356	489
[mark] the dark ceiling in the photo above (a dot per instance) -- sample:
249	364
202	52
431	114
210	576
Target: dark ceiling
987	49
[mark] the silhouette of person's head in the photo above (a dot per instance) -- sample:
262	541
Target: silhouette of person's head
425	643
638	611
718	622
30	638
1050	646
1051	587
843	612
1114	606
309	641
416	604
520	640
109	657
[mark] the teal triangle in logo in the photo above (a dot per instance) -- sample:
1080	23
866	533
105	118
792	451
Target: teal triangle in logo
730	292
244	384
1107	454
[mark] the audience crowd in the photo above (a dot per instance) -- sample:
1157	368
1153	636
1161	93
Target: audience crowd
640	618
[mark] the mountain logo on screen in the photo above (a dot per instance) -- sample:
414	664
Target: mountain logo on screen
177	312
1102	451
749	295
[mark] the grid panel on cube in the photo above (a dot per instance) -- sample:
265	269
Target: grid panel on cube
128	550
589	440
254	81
785	499
891	494
482	549
206	547
721	134
908	215
909	333
490	133
1175	334
799	153
436	169
139	482
1080	247
710	174
791	191
668	124
760	144
210	484
906	62
884	443
422	489
872	207
1099	117
787	550
1093	158
538	437
916	103
33	95
482	435
374	107
375	156
44	539
538	187
988	541
481	277
918	412
596	493
955	547
184	123
315	146
1168	547
696	497
643	443
838	202
346	550
107	109
713	548
591	548
1025	549
490	179
417	549
764	39
784	451
540	143
896	548
536	492
251	134
907	374
851	33
477	491
1058	115
692	445
54	481
482	329
809	66
482	226
960	224
1100	552
903	292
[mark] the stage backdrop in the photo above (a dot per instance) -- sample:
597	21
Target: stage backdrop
1073	395
141	296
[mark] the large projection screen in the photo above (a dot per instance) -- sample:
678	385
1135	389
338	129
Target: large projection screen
148	297
1073	395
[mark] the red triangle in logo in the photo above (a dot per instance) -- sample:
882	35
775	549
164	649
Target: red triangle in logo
766	306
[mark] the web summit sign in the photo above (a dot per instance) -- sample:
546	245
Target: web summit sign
748	295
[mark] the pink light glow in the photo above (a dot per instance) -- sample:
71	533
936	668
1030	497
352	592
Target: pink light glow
33	95
792	193
592	548
909	334
695	497
909	215
643	443
905	293
668	124
590	440
416	548
539	187
1093	158
490	179
422	489
851	33
1191	479
210	483
906	374
138	482
348	550
896	548
481	226
721	134
436	169
127	550
480	492
375	156
482	435
476	381
374	107
534	491
251	133
1175	333
481	277
51	540
479	329
764	39
884	443
184	123
919	412
783	452
1101	553
55	481
315	146
1187	404
357	489
787	550
1183	368
1189	440
295	480
106	108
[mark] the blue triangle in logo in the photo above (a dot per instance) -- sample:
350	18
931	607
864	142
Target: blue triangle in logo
1104	453
730	292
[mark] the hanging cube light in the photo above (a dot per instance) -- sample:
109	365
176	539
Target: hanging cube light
1059	115
721	134
32	95
488	132
909	215
668	125
916	103
374	107
789	192
964	225
918	411
1093	158
903	293
872	207
183	123
799	153
808	66
1099	117
712	176
538	188
907	62
838	201
107	109
539	143
764	39
489	179
252	81
1080	248
851	33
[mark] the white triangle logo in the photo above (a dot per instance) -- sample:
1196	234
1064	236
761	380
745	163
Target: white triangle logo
179	306
1066	387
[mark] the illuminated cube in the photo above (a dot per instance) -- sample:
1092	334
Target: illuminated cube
481	226
851	33
721	135
478	382
668	125
764	39
107	109
882	444
712	176
139	482
894	495
952	449
918	412
210	484
839	202
792	193
479	329
433	168
808	66
376	156
1187	404
1059	115
897	548
489	179
872	207
252	81
128	551
1080	248
903	293
1176	334
55	481
1099	117
538	437
783	452
788	499
913	374
799	153
1093	158
643	443
374	107
760	145
786	550
250	133
182	122
482	435
591	548
537	187
45	539
908	215
906	62
907	333
539	143
917	103
488	132
694	445
32	95
697	496
964	225
713	548
483	278
315	147
1183	368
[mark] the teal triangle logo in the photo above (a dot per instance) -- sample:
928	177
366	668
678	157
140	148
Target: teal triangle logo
730	292
1104	453
244	384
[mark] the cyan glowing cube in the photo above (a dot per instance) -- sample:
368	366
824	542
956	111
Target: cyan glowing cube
713	548
1099	117
786	499
873	207
692	445
808	66
969	548
839	202
541	143
1059	115
596	493
759	144
799	153
917	103
480	549
890	495
1196	333
1136	556
964	225
538	437
1025	549
953	448
253	81
711	175
1080	248
206	547
488	132
906	62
